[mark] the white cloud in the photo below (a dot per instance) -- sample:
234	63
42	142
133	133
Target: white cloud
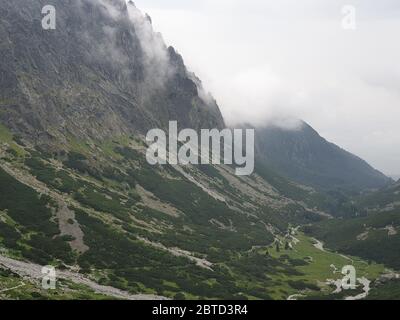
156	59
264	59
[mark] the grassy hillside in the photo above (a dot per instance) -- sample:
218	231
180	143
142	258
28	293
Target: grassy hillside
176	232
375	237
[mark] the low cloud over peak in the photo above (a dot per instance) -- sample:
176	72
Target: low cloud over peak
264	60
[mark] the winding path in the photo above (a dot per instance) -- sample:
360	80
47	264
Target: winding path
31	270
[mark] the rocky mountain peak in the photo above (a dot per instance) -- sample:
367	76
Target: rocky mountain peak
102	72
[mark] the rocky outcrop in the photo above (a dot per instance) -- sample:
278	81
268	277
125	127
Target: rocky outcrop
103	72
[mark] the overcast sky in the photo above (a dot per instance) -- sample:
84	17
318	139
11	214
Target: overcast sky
263	59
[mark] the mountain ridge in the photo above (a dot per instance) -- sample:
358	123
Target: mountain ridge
117	77
112	83
302	155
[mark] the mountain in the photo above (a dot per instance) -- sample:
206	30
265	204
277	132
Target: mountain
302	155
77	193
102	72
76	190
385	199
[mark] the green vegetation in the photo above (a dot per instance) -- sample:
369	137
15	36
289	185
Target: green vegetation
368	237
13	286
5	134
58	179
389	290
245	261
335	202
315	267
25	206
7	137
34	231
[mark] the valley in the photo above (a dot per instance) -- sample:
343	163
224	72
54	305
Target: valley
78	193
114	222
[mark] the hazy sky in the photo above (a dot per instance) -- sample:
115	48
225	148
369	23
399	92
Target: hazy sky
263	59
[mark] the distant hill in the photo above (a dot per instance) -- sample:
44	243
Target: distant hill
304	156
374	235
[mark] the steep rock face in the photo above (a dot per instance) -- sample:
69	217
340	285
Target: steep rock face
304	156
102	72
